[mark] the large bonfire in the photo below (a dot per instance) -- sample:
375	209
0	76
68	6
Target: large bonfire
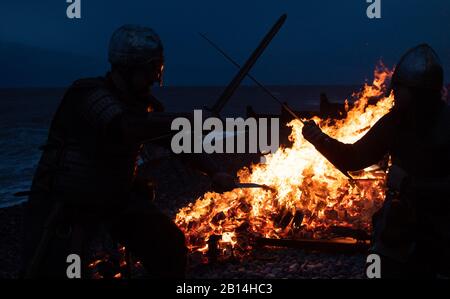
307	194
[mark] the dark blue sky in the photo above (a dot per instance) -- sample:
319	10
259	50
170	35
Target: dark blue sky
322	42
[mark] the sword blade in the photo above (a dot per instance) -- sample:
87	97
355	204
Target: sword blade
236	81
268	92
260	85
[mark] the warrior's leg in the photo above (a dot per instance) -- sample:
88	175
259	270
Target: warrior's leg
44	253
154	239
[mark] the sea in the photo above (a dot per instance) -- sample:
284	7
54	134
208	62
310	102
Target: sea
26	114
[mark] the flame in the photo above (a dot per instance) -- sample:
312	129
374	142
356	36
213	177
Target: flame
309	195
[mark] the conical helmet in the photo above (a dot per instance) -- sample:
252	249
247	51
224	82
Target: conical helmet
419	67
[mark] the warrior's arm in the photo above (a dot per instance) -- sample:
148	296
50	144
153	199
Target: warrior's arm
107	116
154	126
365	152
157	126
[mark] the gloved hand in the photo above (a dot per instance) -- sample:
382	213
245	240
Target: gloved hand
312	132
223	182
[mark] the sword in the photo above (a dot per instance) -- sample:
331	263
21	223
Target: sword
243	71
268	92
234	84
260	85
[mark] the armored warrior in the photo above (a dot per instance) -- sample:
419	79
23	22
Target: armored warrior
412	230
87	172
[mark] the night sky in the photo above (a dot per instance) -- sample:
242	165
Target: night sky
322	42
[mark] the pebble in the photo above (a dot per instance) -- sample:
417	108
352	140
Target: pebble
287	265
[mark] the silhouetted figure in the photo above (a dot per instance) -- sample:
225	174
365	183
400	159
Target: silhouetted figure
86	178
412	230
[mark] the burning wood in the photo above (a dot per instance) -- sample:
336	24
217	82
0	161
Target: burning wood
307	197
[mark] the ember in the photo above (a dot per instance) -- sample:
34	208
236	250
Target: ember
308	196
114	263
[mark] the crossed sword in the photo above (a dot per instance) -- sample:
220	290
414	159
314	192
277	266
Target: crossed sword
244	72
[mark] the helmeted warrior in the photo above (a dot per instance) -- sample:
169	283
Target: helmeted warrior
87	172
412	230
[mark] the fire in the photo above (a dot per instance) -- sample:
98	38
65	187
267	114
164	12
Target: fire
308	195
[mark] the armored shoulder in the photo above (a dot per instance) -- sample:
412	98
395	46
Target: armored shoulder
100	106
